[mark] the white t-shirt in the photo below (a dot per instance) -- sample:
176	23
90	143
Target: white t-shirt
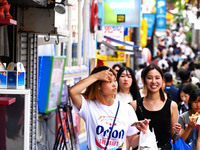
188	51
123	97
139	79
163	62
99	118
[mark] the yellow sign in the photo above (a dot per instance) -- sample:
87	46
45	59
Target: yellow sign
118	56
143	33
120	18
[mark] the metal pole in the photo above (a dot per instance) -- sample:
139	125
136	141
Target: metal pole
136	40
86	31
69	45
80	33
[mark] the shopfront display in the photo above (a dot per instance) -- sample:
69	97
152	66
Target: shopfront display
16	124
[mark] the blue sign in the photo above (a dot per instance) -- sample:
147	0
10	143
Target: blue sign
150	18
161	15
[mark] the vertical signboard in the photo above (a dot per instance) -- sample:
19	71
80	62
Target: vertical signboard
150	18
122	13
161	15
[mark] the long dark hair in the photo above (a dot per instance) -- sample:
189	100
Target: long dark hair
145	72
134	90
186	88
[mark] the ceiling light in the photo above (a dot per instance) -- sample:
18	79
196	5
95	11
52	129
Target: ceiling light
60	7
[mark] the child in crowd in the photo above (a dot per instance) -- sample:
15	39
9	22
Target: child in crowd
188	123
183	97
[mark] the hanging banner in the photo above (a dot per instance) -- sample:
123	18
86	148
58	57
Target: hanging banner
143	33
150	18
122	13
161	15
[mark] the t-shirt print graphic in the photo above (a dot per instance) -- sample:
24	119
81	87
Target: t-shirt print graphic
103	130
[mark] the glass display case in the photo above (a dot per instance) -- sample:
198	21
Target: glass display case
16	120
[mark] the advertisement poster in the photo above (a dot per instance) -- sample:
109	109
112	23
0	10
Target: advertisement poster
161	15
116	32
148	6
56	83
122	13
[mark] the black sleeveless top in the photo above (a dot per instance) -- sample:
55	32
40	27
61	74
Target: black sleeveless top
160	120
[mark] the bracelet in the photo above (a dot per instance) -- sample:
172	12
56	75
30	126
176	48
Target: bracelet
177	133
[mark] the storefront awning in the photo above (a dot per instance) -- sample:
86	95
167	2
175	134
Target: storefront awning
135	47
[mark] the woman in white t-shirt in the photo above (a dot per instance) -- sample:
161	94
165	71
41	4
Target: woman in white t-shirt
97	106
127	86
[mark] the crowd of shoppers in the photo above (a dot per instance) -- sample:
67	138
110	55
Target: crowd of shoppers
98	107
166	92
167	108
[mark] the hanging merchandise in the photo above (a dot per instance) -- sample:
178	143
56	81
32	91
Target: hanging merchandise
4	9
94	16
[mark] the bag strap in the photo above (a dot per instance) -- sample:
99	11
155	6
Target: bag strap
112	126
140	107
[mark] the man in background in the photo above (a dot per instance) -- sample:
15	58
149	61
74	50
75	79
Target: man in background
169	88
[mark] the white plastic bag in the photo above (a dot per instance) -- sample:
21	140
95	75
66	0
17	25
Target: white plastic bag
147	141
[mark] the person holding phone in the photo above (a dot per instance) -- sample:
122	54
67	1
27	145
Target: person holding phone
155	106
108	121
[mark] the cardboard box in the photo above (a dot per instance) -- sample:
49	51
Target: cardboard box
3	76
16	76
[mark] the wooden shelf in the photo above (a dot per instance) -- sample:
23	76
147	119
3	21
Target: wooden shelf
7	21
7	100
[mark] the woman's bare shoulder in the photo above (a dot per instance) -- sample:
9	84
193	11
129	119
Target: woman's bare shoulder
134	104
174	104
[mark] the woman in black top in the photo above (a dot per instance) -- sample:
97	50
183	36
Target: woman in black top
155	106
